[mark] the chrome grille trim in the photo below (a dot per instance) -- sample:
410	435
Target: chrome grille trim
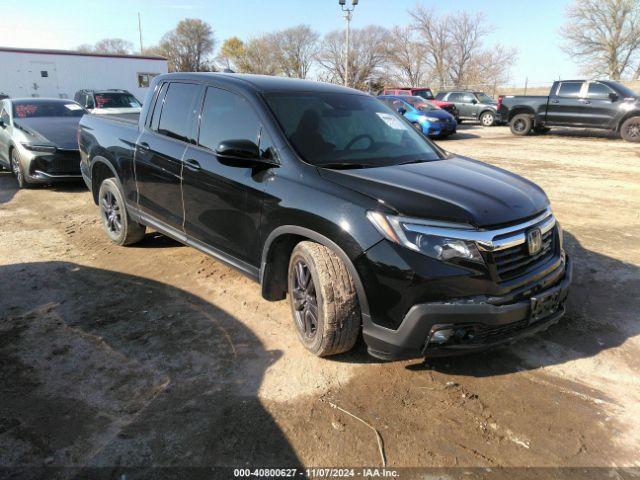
487	240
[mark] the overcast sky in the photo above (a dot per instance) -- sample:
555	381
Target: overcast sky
532	27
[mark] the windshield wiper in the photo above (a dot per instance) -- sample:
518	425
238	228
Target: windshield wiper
344	165
411	161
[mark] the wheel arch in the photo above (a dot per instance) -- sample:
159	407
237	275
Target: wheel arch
627	116
520	109
101	169
275	260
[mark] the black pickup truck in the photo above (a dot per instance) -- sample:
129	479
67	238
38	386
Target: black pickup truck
326	194
602	104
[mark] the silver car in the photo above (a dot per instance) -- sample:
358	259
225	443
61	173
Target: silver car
38	139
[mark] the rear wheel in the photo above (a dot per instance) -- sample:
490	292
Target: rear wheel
488	119
16	169
521	124
323	300
630	129
118	226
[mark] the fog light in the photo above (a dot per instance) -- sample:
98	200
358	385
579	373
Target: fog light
441	336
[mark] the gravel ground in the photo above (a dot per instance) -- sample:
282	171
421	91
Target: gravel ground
158	355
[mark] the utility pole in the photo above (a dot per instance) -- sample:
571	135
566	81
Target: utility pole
140	33
347	18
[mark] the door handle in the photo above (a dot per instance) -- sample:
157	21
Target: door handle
555	101
585	101
192	165
143	146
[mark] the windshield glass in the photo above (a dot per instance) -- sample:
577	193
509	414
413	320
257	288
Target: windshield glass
28	109
624	90
484	98
116	100
420	104
340	130
424	93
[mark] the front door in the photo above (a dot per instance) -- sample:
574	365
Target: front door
5	134
601	108
223	202
160	150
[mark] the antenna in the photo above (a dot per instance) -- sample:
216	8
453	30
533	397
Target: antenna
140	32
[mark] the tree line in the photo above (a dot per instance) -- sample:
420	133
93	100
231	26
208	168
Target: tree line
434	49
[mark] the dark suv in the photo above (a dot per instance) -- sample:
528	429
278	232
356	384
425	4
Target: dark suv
327	195
477	106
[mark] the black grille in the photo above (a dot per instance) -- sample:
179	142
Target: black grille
58	164
515	261
494	333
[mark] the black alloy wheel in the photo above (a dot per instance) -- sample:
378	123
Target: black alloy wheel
305	301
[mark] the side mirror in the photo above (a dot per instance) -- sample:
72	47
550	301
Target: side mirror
613	97
474	101
242	153
2	124
402	110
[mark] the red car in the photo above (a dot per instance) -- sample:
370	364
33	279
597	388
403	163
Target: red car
426	93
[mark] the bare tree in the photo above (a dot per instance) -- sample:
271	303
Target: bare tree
258	55
604	36
466	33
489	68
367	56
113	46
435	34
188	47
295	50
406	57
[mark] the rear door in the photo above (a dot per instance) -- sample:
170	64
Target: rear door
566	105
464	103
160	150
223	202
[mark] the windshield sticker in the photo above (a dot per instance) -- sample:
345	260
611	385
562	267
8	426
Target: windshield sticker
391	120
72	106
24	111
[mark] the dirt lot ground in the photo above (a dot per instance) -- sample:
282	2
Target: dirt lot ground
159	355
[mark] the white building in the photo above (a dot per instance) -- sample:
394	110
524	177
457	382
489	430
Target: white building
61	73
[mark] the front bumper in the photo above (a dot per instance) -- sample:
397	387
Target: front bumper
491	324
63	165
437	129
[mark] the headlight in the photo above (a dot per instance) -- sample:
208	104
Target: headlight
39	148
432	119
411	235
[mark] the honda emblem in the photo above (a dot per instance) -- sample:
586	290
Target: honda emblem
534	241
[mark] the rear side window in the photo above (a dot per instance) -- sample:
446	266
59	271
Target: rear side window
157	109
570	89
456	97
179	111
598	90
4	115
226	116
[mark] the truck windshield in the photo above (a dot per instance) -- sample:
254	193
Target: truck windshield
484	98
32	109
338	130
116	100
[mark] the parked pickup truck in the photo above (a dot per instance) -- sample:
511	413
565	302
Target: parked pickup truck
601	104
327	195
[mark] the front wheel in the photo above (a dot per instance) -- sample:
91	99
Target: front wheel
521	124
488	119
16	169
323	300
630	129
118	226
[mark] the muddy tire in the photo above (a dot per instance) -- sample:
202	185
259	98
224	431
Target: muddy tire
323	300
630	129
16	169
521	124
488	119
117	223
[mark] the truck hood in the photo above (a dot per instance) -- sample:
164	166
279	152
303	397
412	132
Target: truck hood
58	131
456	189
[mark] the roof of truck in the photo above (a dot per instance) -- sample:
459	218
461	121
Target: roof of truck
263	83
